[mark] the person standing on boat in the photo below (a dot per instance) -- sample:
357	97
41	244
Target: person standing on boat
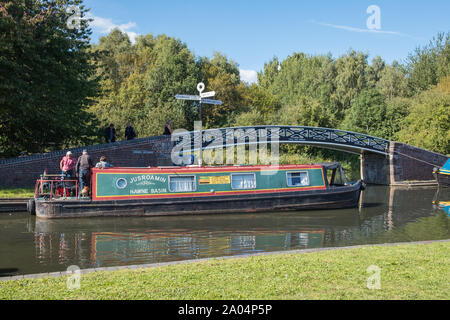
67	165
130	134
83	168
103	163
110	134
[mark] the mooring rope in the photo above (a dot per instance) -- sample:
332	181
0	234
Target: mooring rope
417	159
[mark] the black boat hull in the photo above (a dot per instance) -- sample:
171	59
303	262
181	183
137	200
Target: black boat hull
443	179
332	198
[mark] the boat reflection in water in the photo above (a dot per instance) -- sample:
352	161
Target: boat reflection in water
384	215
148	240
441	200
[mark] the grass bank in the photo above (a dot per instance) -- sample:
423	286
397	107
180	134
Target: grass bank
9	193
407	272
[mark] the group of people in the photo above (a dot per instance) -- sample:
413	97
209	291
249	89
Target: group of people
110	133
81	168
130	133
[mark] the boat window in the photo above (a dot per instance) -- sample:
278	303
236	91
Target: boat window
297	179
243	181
338	180
182	184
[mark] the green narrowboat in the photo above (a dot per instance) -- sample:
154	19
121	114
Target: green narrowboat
163	191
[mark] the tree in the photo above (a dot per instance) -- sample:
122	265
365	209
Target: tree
267	78
428	65
428	124
45	77
249	118
351	79
397	109
306	112
393	82
367	114
260	100
140	81
222	76
374	72
299	75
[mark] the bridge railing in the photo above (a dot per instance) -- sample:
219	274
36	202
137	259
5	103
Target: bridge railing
347	141
329	138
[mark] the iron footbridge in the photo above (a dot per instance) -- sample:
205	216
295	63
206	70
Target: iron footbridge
335	139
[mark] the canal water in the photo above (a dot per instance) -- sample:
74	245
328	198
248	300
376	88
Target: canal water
385	215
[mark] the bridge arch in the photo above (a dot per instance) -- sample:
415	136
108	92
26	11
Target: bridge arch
341	140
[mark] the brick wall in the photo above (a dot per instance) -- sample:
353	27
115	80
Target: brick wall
410	163
23	172
405	163
375	169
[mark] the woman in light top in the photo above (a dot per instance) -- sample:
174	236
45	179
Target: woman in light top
103	163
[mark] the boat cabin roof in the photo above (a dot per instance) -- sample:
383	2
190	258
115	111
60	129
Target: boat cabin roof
329	165
446	166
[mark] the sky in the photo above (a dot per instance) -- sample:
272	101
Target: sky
251	32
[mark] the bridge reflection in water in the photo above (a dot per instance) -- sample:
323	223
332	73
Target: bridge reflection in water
385	215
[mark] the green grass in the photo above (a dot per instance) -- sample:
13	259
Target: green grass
407	272
16	193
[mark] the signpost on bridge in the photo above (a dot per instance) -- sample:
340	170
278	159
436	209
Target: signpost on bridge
201	98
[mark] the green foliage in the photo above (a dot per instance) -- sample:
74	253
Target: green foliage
397	110
428	124
261	107
140	81
250	118
367	113
306	112
333	83
373	114
222	76
393	82
430	64
46	77
300	76
13	193
351	79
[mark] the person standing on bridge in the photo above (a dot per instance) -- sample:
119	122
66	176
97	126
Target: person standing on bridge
110	134
83	168
168	128
130	134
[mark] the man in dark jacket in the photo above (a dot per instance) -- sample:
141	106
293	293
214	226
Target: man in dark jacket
110	134
83	169
130	134
168	128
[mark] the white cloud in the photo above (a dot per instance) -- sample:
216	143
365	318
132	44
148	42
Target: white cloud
106	25
347	28
249	76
